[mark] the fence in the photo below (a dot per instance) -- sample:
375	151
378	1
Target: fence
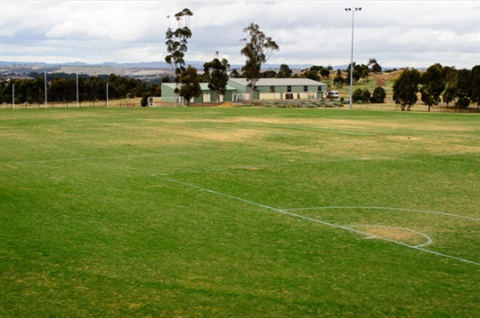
135	102
130	102
417	108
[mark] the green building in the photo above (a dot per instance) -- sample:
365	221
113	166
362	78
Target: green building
279	88
238	89
207	96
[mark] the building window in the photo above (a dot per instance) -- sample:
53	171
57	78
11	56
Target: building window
319	88
272	89
289	89
305	88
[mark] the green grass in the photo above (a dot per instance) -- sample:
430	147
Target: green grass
226	212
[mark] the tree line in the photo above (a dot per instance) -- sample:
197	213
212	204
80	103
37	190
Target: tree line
434	85
438	83
63	88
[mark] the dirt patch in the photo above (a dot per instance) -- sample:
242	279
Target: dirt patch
250	168
237	129
236	135
312	122
379	81
212	134
394	233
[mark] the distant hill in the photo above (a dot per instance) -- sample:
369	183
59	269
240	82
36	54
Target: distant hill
143	65
159	65
140	70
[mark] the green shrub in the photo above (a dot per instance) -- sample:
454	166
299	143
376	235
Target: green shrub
463	102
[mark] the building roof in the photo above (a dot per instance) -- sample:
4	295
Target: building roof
280	82
203	86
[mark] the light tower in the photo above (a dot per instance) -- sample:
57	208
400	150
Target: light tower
352	10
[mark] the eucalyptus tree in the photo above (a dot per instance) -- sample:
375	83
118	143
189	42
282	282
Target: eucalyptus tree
464	87
313	75
451	81
359	71
378	95
234	74
361	95
339	80
189	84
405	88
258	49
433	84
176	42
374	66
284	72
475	93
325	72
215	73
269	74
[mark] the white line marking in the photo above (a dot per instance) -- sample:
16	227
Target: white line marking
383	208
428	238
346	228
258	204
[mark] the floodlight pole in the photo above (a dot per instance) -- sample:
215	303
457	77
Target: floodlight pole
13	95
106	88
78	104
351	52
46	93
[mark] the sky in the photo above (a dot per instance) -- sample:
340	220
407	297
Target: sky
309	32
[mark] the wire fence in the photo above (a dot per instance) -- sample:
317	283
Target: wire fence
132	102
417	108
135	102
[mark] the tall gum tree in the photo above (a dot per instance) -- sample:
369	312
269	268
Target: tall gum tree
433	84
258	49
405	88
189	84
215	73
176	42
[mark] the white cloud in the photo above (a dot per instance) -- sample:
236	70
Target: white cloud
396	33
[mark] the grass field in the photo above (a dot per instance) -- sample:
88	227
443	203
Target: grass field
239	212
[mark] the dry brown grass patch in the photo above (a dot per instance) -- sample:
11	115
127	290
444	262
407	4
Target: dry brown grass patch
393	233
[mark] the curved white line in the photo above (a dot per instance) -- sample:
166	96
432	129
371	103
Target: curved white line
285	212
384	208
428	238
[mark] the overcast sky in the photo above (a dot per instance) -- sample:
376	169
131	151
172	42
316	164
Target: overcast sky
396	33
